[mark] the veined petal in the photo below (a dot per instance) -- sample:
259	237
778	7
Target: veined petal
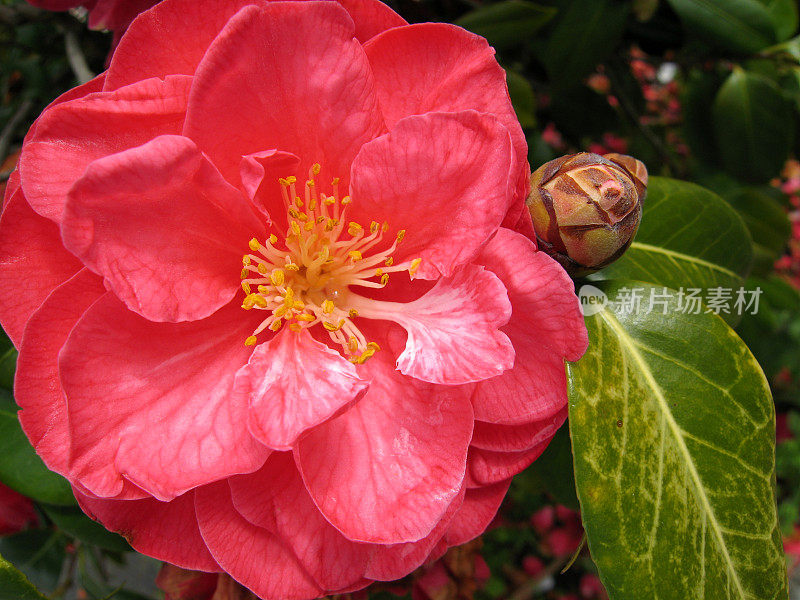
441	177
293	383
164	530
291	76
546	328
485	467
152	402
260	172
37	388
32	263
453	330
387	470
476	513
371	17
72	134
516	438
251	555
331	559
163	228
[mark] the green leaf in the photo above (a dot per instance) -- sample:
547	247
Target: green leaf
689	238
73	522
8	362
784	17
753	125
740	26
554	469
585	35
767	222
522	98
22	469
39	554
507	23
14	585
673	431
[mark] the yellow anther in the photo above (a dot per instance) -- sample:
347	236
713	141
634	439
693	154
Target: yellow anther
295	327
346	200
328	307
251	341
373	227
276	325
310	183
246	287
332	327
289	296
272	238
298	202
385	226
378	272
306	317
303	217
248	302
262	289
414	266
384	279
291	267
262	268
309	226
355	255
316	168
297	305
260	301
295	227
320	219
325	253
374	346
352	345
291	179
329	200
389	261
312	204
354	228
246	259
293	213
277	277
244	274
330	225
352	313
283	181
255	245
401	234
335	181
280	311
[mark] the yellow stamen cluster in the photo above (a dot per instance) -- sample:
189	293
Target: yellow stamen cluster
308	279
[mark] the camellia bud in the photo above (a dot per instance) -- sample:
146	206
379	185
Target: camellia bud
586	208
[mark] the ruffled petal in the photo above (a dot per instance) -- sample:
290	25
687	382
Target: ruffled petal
37	389
371	17
152	402
479	508
32	263
70	135
293	383
251	555
485	467
516	438
464	311
331	559
451	70
260	172
291	76
163	228
440	177
546	328
387	469
167	531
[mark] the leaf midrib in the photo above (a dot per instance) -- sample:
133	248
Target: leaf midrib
682	256
629	345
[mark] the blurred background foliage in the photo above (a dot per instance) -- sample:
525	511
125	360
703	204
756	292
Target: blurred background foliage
702	90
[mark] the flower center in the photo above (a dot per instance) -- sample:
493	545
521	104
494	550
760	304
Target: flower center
306	280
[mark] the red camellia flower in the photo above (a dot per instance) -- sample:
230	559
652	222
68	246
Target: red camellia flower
274	315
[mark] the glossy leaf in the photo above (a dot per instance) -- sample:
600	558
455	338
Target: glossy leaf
507	23
522	98
586	33
554	470
14	585
673	431
73	522
784	17
767	222
753	125
689	238
21	468
741	26
39	554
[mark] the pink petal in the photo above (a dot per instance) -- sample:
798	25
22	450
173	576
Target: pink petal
32	263
387	470
164	530
163	228
516	438
546	328
486	467
251	555
116	15
398	560
331	559
260	173
70	135
440	177
37	389
290	76
152	401
293	383
90	87
451	70
371	17
464	311
476	513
